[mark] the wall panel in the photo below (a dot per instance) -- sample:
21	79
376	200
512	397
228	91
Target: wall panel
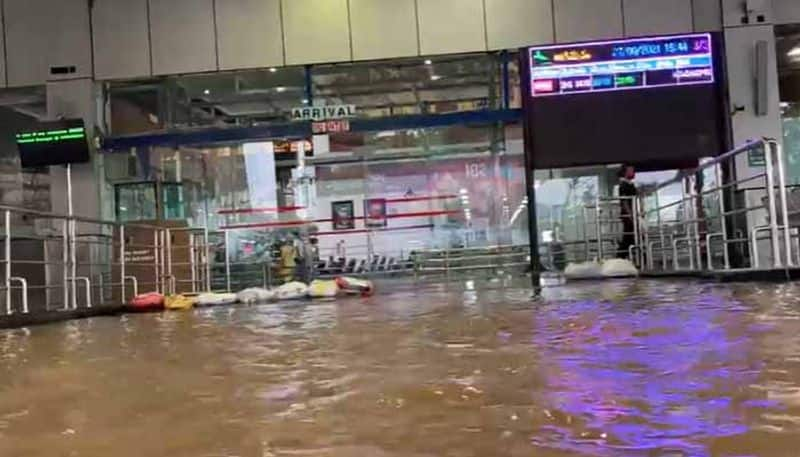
582	20
249	33
41	34
451	26
786	11
316	31
707	15
383	29
657	17
121	39
3	78
183	36
518	23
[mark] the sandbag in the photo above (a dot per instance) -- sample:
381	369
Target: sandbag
355	285
323	289
255	295
178	302
584	270
152	301
212	299
619	268
291	291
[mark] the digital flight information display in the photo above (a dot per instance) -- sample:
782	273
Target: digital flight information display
621	65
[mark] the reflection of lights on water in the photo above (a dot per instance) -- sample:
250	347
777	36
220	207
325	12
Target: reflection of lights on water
647	359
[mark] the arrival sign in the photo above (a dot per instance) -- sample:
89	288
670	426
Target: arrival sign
323	113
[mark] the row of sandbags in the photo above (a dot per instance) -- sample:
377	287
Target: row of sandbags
154	301
612	268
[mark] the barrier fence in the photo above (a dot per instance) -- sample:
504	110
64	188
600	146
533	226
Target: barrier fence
56	262
707	225
731	213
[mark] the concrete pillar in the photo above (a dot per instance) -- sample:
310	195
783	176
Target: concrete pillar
76	99
744	28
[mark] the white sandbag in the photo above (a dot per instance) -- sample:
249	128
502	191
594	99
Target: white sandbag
212	299
255	295
323	289
584	270
291	291
619	268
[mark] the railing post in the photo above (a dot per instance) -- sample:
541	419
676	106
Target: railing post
661	233
65	262
7	260
122	262
598	228
168	254
157	270
787	235
193	261
227	261
773	213
722	216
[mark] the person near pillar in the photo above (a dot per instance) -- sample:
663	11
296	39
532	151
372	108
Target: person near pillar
627	194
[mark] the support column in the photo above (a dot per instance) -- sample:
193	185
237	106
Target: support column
754	97
76	99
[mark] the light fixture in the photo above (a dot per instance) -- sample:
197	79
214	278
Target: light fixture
305	101
273	70
428	62
280	89
794	52
207	92
435	77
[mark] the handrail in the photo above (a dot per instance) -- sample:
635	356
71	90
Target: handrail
714	161
696	229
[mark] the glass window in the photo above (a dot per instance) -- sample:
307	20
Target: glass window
136	202
173	201
443	84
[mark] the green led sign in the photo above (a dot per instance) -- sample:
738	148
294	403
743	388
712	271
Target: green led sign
59	142
51	136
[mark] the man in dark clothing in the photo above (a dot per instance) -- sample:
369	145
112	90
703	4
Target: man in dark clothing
627	193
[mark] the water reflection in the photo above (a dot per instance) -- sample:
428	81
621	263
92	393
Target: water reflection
610	369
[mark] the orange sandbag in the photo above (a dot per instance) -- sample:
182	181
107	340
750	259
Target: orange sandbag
355	286
152	301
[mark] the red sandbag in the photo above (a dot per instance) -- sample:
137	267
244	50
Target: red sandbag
357	286
147	302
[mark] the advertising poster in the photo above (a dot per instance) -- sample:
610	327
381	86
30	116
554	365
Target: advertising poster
343	215
375	213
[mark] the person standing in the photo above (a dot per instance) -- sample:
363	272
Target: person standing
627	195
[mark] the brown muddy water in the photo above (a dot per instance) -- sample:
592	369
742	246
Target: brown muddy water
630	368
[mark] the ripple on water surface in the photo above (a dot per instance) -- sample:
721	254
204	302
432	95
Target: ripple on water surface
639	368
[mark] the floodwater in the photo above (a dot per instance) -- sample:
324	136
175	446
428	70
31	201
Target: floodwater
630	368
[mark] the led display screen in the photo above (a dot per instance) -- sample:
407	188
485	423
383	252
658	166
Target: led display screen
643	101
621	65
53	143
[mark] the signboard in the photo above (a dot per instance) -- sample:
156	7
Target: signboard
621	65
343	215
335	126
756	158
53	143
322	113
375	213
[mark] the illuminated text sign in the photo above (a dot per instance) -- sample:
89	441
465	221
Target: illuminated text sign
621	65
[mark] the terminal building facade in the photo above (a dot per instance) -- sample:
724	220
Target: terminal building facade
203	111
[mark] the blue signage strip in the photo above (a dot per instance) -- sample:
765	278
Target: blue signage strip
621	65
299	130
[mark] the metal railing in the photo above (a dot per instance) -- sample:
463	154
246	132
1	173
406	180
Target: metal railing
470	260
698	230
55	262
